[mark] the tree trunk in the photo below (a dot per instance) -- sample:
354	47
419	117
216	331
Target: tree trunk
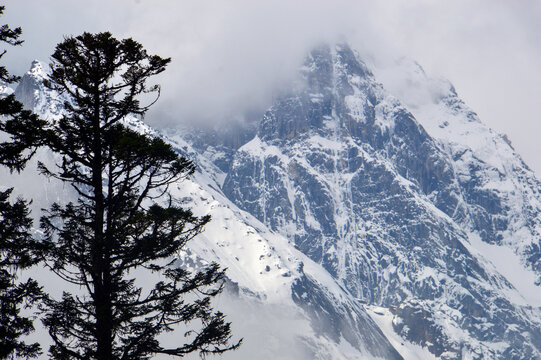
101	258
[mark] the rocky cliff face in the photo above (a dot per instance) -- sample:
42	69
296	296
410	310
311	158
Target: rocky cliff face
387	222
392	211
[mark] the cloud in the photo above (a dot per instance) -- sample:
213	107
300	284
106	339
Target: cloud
227	55
232	56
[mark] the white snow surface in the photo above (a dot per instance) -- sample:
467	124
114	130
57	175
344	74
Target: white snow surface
5	90
506	262
384	318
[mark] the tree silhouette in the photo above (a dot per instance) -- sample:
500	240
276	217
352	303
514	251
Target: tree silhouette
16	242
124	218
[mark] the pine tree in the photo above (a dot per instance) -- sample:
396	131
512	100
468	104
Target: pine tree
124	218
15	254
16	243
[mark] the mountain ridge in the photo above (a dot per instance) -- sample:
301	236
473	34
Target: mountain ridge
343	154
380	201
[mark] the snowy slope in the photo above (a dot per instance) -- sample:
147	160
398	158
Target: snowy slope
508	192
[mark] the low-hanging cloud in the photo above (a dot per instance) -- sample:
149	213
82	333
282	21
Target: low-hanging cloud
233	56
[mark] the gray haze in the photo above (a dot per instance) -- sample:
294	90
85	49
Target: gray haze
231	56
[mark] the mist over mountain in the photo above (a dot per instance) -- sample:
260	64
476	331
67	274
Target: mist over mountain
367	213
234	56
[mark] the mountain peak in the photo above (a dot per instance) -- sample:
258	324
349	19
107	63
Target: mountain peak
35	96
395	201
37	69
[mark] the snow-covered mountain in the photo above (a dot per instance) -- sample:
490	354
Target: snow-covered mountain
368	214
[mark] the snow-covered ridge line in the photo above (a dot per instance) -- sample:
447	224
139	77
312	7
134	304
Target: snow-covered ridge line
479	155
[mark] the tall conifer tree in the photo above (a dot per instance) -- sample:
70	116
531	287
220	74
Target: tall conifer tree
16	243
124	218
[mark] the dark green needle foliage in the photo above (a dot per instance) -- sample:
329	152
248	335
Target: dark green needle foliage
15	255
124	218
16	243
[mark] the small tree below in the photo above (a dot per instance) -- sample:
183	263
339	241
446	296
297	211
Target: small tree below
15	255
16	242
124	218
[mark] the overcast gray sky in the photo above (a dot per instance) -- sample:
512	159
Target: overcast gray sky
228	55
